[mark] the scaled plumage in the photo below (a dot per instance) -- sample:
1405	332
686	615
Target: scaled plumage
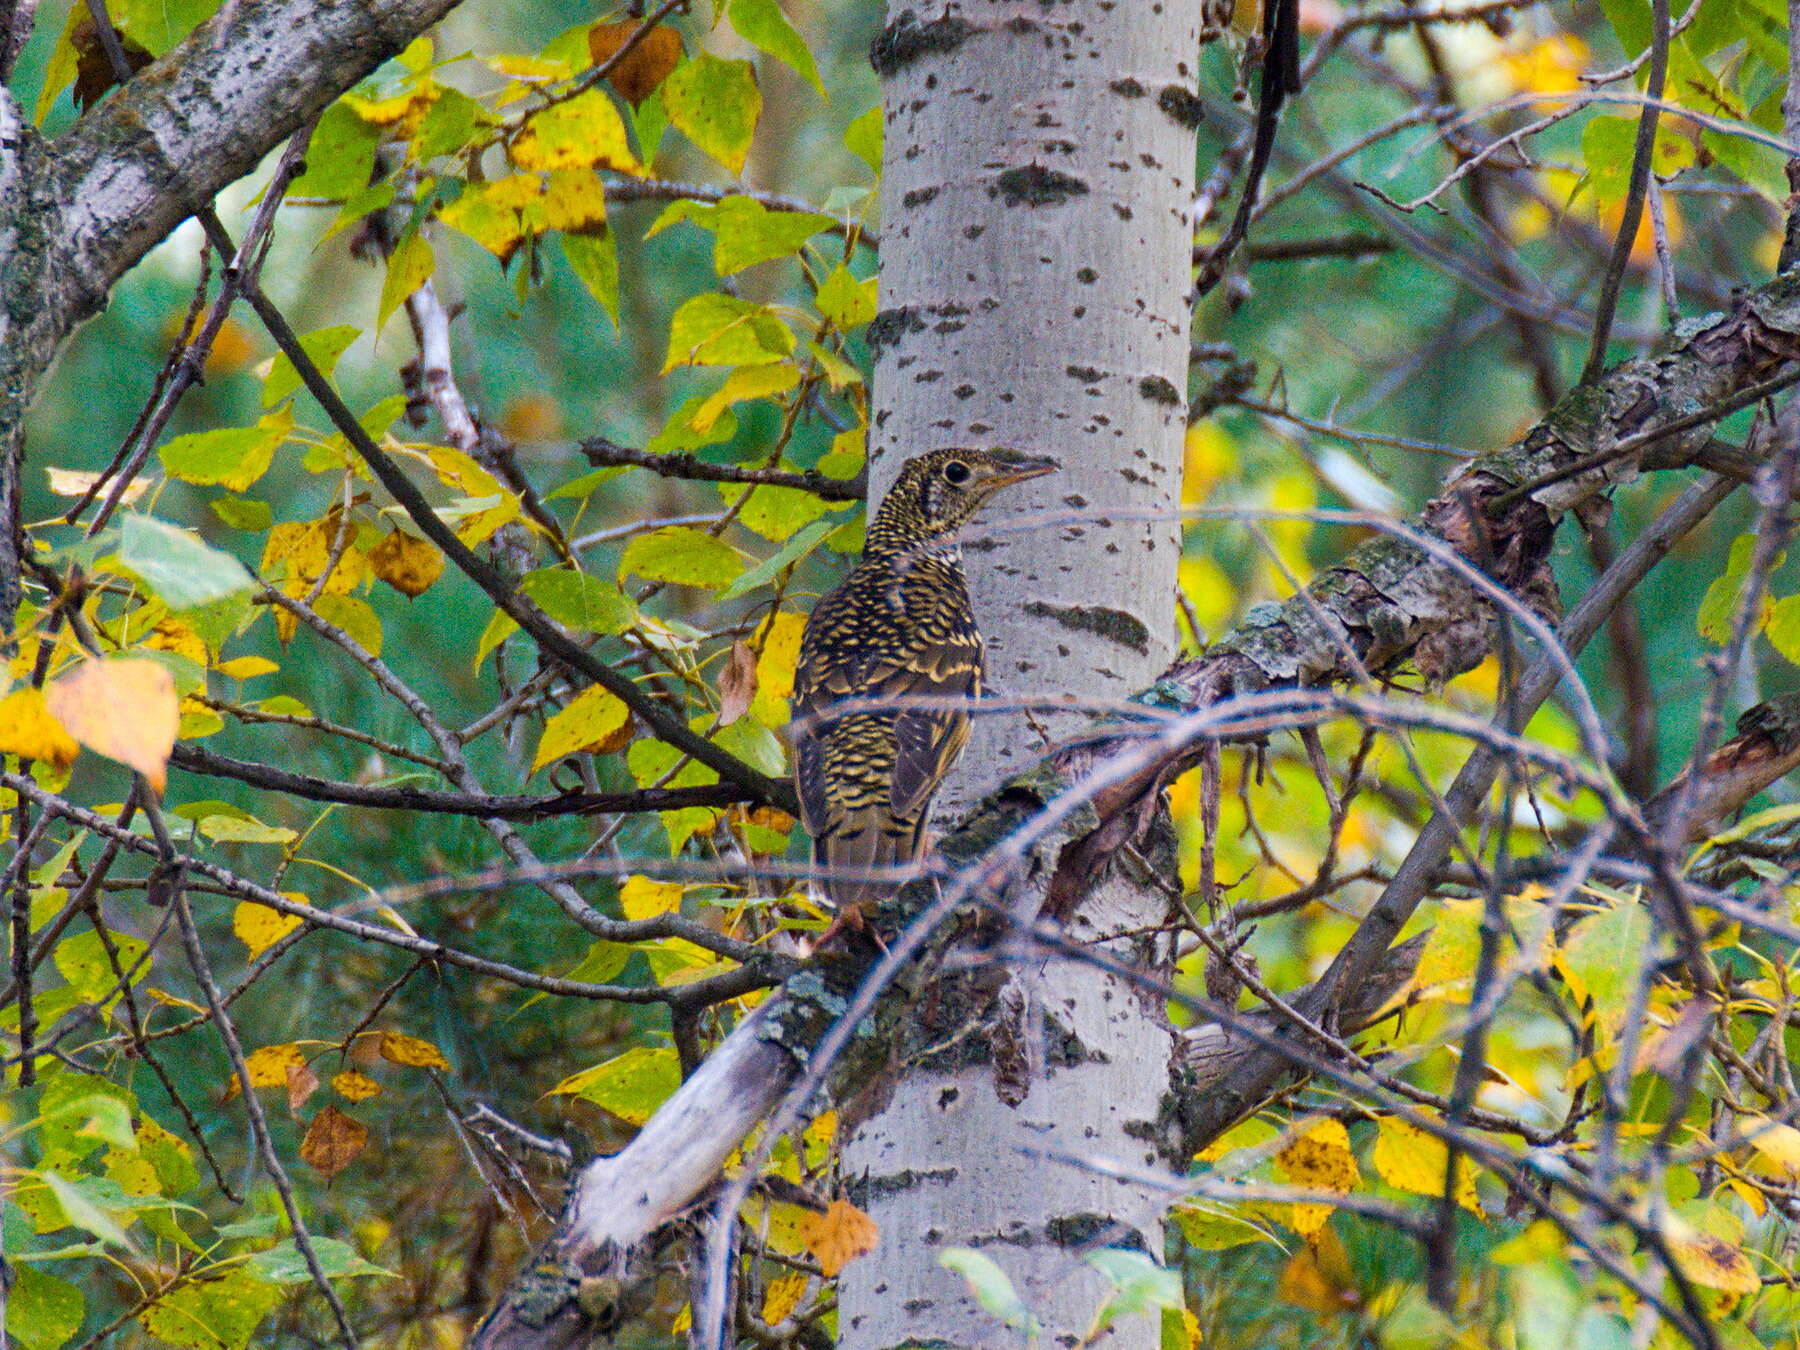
898	628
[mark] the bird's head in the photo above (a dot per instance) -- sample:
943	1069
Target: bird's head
936	493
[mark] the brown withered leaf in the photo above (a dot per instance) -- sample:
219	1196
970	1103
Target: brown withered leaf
302	1082
407	563
333	1141
93	68
737	683
645	67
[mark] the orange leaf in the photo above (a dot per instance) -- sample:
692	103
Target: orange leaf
839	1235
333	1141
125	709
407	563
645	66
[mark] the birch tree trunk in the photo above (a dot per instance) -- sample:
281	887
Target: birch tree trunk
1035	265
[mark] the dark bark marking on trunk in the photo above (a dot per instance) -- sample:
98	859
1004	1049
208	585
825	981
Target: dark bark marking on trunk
905	40
1182	105
1034	185
1125	629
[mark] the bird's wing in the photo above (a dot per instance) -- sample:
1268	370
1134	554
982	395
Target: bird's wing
928	740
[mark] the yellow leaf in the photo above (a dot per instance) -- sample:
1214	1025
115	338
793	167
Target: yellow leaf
30	730
586	132
1318	1278
124	709
333	1141
247	667
355	1086
1776	1144
574	199
409	267
259	928
1409	1159
269	1066
407	563
642	898
782	1297
838	1236
746	382
775	668
410	1050
590	722
1318	1159
172	635
1709	1260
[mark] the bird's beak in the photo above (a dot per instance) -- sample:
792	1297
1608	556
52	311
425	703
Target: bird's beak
1021	467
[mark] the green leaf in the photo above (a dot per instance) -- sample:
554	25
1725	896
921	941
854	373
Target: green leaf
323	345
212	1314
796	548
715	104
285	1264
844	300
409	267
1599	960
101	1116
579	600
1139	1284
775	512
684	429
500	626
1783	630
1719	604
992	1288
340	158
81	958
42	1311
447	125
683	555
862	138
595	262
631	1085
243	513
233	457
355	616
159	24
722	330
755	744
236	830
745	232
1761	166
762	24
83	1212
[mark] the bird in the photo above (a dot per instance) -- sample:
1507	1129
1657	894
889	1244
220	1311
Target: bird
899	627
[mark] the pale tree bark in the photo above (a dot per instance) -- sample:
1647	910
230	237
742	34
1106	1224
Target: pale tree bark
1038	171
79	211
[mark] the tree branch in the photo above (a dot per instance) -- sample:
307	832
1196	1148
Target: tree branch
1390	603
498	807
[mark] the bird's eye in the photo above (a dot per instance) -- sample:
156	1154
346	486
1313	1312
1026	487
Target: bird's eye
956	473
